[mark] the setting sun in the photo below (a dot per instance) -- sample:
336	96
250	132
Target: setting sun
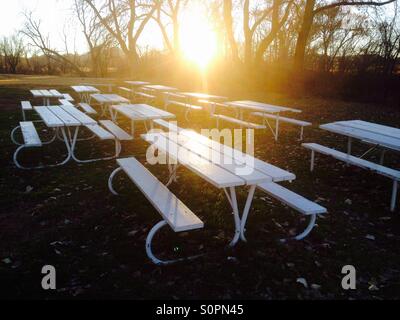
198	39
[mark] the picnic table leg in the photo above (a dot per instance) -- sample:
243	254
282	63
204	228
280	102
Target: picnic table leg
233	201
110	181
277	127
103	109
133	128
166	101
74	140
312	160
382	159
172	174
241	115
307	231
149	251
68	158
246	211
213	108
13	136
394	196
349	148
302	133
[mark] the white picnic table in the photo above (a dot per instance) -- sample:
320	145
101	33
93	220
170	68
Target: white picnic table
107	100
223	167
380	136
136	84
209	99
161	91
160	88
84	92
264	108
46	95
66	120
140	112
109	86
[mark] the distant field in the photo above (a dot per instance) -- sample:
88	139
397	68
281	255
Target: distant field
7	80
68	218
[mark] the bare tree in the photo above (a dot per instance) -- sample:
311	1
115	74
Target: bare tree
99	41
12	49
166	15
32	30
314	7
125	21
278	19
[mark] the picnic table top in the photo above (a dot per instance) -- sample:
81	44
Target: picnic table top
63	116
44	93
218	164
142	112
204	96
109	98
259	106
85	89
137	83
385	136
160	88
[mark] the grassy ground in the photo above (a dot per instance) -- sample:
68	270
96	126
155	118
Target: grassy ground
66	217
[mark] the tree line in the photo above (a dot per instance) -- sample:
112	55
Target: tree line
346	37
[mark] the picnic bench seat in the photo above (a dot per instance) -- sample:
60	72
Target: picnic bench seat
120	134
189	107
25	106
68	97
170	126
143	95
66	102
296	122
296	202
341	156
126	91
185	105
86	108
174	213
242	123
212	104
31	140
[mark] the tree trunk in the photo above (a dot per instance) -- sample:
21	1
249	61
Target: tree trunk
276	25
229	31
303	36
248	39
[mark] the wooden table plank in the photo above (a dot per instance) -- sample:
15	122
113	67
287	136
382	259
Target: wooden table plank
378	139
277	174
129	112
217	176
242	170
372	127
151	112
49	118
78	115
69	121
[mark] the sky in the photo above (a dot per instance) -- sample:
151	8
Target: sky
56	15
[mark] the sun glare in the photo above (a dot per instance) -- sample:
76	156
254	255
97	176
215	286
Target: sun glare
198	39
